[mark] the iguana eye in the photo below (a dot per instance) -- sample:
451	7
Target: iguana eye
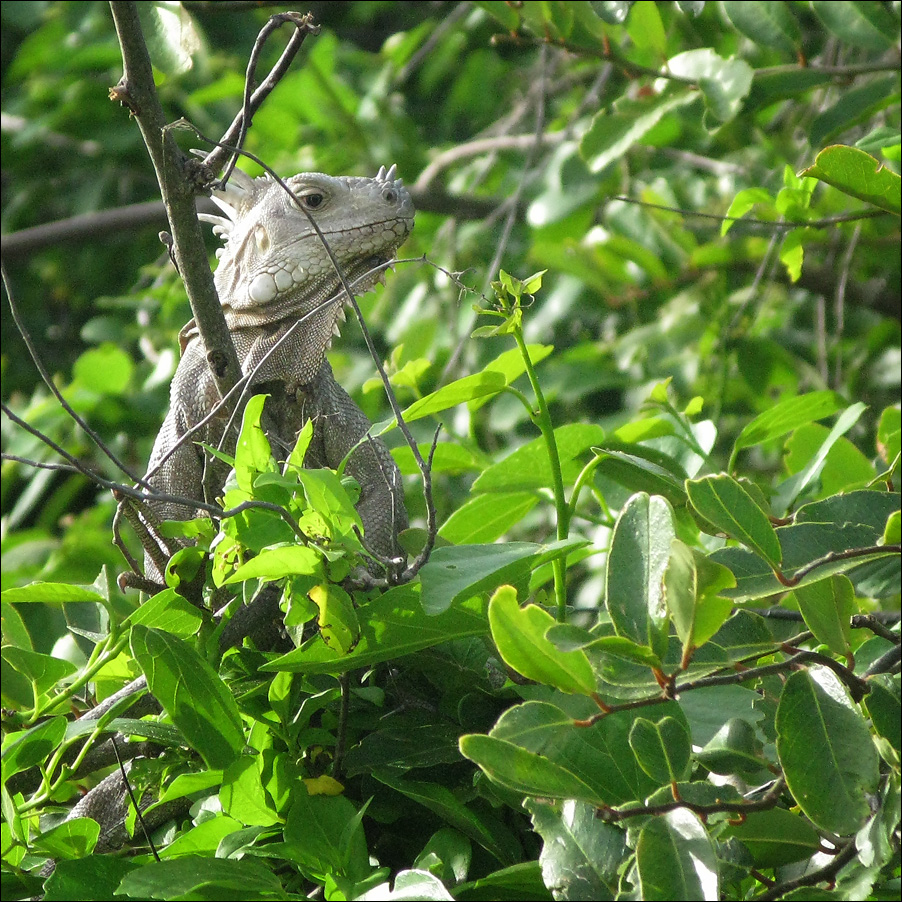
312	201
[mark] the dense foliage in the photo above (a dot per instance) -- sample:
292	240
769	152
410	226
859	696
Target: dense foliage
652	299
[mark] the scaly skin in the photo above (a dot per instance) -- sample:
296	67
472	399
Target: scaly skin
282	301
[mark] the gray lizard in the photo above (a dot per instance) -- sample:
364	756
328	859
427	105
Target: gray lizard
283	302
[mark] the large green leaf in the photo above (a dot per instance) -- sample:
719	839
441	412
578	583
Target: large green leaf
200	877
519	634
867	25
825	751
529	467
459	571
538	749
640	549
722	501
393	625
580	853
860	175
776	837
828	606
191	693
675	859
785	416
771	25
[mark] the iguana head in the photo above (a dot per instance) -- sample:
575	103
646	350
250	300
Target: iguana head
273	265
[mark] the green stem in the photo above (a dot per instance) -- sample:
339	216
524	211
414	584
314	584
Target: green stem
562	509
87	674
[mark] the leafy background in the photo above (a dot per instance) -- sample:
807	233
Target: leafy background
703	376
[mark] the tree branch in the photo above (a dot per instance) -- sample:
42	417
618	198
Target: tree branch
137	90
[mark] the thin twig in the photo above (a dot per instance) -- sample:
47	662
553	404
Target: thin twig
776	226
824	875
767	801
237	131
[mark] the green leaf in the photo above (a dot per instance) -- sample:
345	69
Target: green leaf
337	619
776	837
200	877
73	838
725	83
889	436
663	749
612	135
323	835
580	853
242	794
511	364
770	25
529	466
692	587
722	501
867	25
486	518
884	709
845	467
393	625
892	535
93	877
519	634
191	693
646	29
785	416
409	885
792	253
454	573
253	454
538	749
860	175
835	525
172	39
640	549
51	593
675	859
275	563
106	369
745	199
44	671
735	748
32	747
826	752
827	607
169	611
642	469
793	487
478	385
853	107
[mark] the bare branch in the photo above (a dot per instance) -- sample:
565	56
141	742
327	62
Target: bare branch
137	90
86	227
237	131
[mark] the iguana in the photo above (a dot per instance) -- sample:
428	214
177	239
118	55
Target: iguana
283	303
